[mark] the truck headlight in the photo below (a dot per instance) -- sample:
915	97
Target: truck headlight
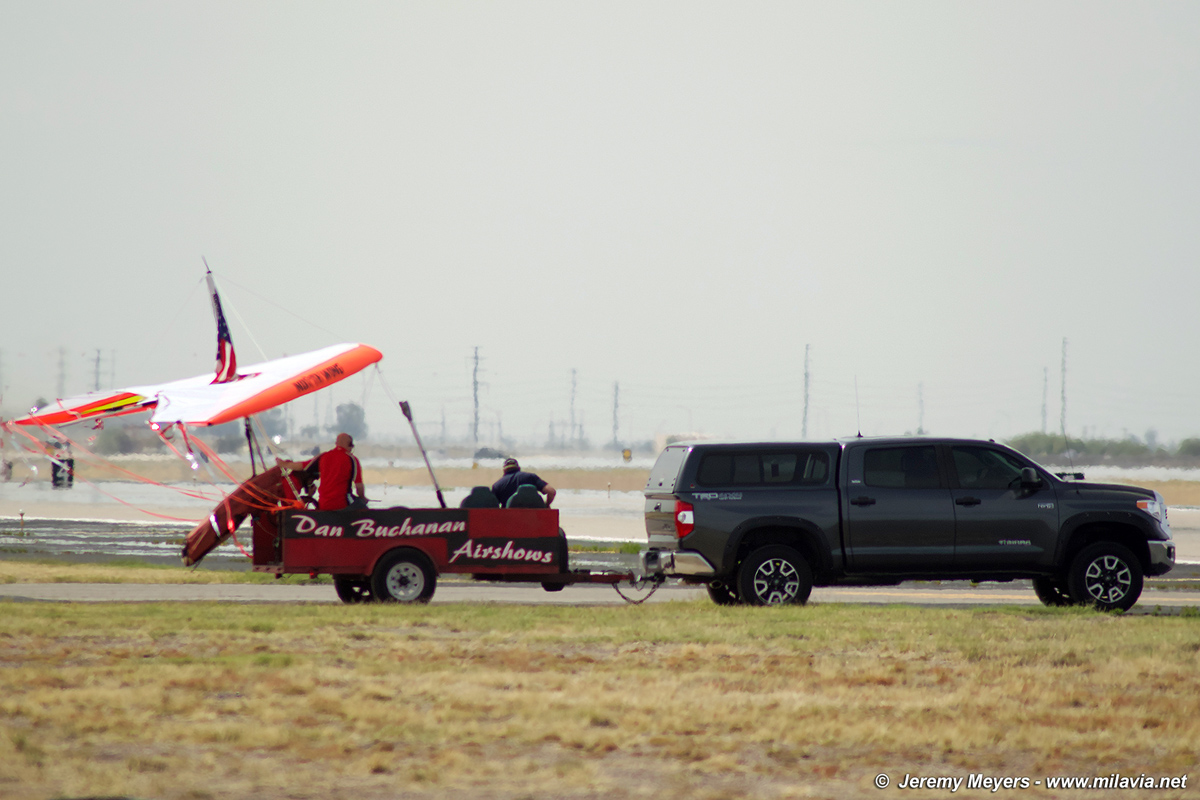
1155	508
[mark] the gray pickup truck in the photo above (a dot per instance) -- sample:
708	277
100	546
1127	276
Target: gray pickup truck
764	523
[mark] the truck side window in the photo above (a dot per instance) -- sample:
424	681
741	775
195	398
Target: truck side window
983	468
754	469
716	469
745	470
779	468
901	468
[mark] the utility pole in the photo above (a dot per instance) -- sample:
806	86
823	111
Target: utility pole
475	392
920	409
62	372
572	434
1045	393
804	420
616	405
96	387
1063	420
443	442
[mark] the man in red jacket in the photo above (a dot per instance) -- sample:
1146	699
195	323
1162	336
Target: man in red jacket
337	470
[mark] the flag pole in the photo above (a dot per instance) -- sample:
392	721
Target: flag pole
404	406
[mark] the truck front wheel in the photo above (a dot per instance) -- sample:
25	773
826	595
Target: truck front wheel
403	577
1105	575
774	575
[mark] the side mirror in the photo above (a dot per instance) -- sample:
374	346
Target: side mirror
1030	478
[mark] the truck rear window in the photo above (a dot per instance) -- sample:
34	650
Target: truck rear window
803	468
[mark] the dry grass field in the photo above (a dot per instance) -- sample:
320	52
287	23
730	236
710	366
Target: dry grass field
677	700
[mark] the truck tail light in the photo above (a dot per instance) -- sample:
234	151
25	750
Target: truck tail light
685	519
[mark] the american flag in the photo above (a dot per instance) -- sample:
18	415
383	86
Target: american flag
226	358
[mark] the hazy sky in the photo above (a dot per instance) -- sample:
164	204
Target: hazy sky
676	196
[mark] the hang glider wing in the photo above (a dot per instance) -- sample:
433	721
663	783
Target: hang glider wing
199	401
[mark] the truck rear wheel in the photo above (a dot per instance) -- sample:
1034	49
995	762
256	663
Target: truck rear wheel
1105	575
353	588
774	575
403	577
722	593
1051	591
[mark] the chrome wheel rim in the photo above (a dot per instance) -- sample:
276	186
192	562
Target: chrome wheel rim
1108	579
776	581
405	582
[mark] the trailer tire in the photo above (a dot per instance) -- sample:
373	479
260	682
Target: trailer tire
353	588
552	586
403	576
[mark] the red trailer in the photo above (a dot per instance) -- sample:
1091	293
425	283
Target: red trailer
393	554
396	554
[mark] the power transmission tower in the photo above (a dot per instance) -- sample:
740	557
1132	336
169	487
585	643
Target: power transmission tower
920	409
475	392
1063	419
616	405
804	419
572	433
1045	393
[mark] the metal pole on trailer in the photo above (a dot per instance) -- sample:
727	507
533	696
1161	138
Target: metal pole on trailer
408	415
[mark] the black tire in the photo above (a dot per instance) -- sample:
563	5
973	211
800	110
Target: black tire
722	594
353	588
774	575
403	576
552	586
1105	575
1051	592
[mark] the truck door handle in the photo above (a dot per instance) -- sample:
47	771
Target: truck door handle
968	501
863	501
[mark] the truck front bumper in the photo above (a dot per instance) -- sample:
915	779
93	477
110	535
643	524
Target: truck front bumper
676	562
1162	557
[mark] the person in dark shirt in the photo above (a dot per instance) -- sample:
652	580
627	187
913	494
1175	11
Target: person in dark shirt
514	478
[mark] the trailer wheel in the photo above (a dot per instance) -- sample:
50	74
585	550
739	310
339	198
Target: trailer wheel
774	575
353	588
403	576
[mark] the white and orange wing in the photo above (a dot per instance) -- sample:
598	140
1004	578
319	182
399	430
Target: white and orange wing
199	401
